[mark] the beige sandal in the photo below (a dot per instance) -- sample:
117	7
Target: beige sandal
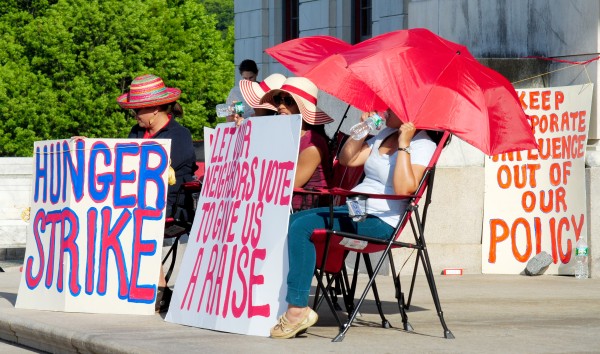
284	329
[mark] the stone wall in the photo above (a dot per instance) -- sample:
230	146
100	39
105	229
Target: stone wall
15	191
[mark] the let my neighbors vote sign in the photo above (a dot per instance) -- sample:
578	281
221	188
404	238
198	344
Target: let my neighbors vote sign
233	274
96	225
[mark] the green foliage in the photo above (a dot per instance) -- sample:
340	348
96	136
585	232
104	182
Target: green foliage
65	62
223	9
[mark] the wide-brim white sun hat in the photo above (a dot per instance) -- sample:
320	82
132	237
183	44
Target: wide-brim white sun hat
305	94
254	91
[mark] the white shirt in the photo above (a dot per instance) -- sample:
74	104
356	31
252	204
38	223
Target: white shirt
379	170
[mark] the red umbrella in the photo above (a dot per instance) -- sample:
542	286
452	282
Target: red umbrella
428	80
316	59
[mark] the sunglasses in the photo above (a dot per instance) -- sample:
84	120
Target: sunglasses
134	112
287	100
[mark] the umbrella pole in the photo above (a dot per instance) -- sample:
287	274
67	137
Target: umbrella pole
341	121
334	142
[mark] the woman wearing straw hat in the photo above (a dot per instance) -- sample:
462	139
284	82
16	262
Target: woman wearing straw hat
154	107
298	95
253	91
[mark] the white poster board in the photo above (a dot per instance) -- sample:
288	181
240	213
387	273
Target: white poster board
96	226
535	200
233	274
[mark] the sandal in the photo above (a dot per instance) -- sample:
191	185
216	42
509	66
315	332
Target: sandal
163	299
284	329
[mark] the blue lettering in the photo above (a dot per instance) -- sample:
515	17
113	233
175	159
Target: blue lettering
127	201
104	180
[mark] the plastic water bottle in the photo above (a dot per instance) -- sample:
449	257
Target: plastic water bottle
581	259
225	109
362	129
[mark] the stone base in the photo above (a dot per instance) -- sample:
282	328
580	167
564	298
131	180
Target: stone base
12	254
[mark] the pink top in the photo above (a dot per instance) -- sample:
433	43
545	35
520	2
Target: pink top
320	176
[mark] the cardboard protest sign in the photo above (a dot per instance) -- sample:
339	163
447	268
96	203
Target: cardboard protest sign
96	227
233	274
535	200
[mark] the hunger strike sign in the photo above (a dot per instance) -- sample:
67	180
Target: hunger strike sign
233	274
535	200
96	223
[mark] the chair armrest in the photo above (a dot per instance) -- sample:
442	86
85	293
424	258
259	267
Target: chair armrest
346	193
192	186
315	191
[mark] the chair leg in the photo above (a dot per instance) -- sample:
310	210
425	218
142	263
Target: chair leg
336	290
324	294
340	336
173	253
399	295
348	290
414	277
384	322
436	300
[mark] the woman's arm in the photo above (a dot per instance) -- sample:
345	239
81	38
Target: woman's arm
406	175
355	152
308	161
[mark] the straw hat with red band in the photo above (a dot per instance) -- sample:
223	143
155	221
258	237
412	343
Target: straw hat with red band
304	93
148	91
254	91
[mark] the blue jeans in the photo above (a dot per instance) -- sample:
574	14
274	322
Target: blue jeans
301	251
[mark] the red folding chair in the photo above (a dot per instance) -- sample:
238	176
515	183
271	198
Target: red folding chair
346	178
330	253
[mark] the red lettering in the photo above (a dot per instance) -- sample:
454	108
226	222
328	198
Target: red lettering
546	100
513	234
533	99
31	280
496	237
257	310
91	250
238	310
142	293
559	98
215	296
231	271
192	282
563	223
109	241
68	244
209	276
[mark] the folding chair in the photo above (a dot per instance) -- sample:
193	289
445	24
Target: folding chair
327	243
183	216
346	178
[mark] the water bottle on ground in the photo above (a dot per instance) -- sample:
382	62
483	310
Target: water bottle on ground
363	129
581	259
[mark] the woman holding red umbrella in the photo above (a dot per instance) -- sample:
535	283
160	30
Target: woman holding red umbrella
394	163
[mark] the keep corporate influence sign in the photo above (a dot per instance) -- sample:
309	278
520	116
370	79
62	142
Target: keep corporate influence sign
535	200
232	277
96	223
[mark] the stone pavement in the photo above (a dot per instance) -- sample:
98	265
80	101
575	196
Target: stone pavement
486	313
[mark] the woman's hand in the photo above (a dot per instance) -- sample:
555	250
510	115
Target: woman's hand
405	134
355	152
235	118
366	115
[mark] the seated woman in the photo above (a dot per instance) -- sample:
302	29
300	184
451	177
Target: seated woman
155	107
394	163
253	92
298	95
